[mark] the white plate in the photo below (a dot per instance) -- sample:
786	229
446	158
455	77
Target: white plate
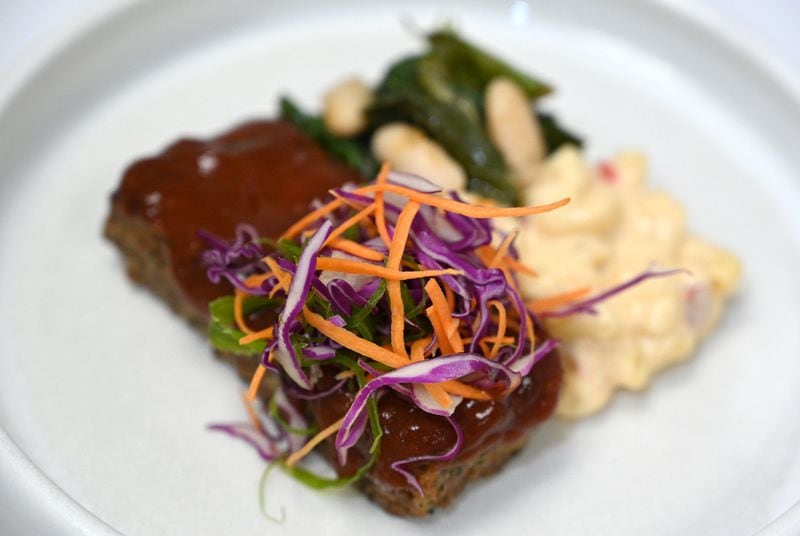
107	394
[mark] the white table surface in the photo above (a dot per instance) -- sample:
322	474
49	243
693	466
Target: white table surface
26	24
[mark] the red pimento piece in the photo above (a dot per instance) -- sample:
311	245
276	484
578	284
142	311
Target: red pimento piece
608	172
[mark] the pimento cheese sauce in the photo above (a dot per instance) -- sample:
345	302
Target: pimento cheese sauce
614	228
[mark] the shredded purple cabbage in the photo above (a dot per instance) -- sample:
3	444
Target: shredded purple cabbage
437	240
587	305
265	446
320	352
425	401
437	370
235	260
450	455
285	353
415	182
294	392
293	416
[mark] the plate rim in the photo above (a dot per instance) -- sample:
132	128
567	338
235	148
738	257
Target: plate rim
20	472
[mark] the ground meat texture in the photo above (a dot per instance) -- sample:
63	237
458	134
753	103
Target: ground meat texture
266	173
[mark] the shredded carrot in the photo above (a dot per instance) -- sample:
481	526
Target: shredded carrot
455	387
238	301
251	413
354	248
353	342
349	222
264	334
490	352
238	313
255	383
509	279
503	340
552	302
451	298
284	278
487	253
311	217
298	455
439	394
275	268
444	314
370	217
380	210
255	280
418	348
438	301
348	266
457	207
437	391
352	203
513	323
441	335
452	329
398	246
503	248
501	326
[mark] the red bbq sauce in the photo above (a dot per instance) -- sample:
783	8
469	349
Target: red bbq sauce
265	173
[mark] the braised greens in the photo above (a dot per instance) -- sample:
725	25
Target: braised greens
441	92
353	152
222	331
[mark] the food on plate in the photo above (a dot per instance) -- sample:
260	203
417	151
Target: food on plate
613	228
264	173
399	325
401	341
437	99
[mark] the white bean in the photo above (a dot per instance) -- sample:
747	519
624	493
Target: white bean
513	127
409	150
344	107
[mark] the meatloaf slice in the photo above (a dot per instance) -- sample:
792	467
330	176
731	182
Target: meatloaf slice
265	173
493	431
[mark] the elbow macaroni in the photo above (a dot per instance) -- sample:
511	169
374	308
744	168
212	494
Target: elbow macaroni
613	229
